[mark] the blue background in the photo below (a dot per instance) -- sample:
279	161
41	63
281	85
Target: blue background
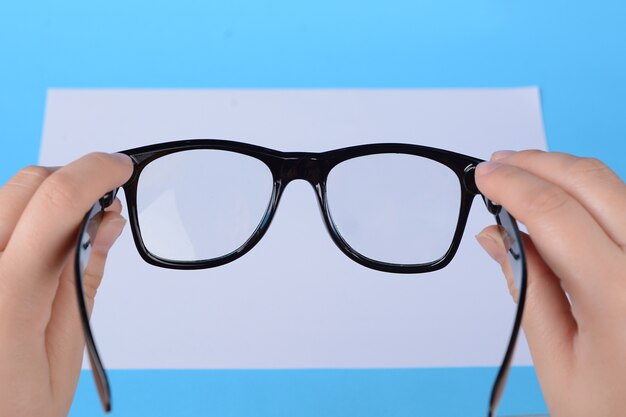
574	51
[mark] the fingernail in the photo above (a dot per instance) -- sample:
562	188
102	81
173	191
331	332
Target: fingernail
486	167
492	245
108	233
122	157
501	154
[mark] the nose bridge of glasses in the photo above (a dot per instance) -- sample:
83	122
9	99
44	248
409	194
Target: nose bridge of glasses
302	166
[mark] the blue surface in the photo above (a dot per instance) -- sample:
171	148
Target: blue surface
573	50
437	392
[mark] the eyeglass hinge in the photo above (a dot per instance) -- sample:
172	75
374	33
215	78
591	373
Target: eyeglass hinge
468	179
469	182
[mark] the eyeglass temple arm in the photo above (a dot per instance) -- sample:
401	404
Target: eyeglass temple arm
501	378
98	371
499	212
500	382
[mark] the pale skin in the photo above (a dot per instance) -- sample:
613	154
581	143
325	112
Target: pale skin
575	314
574	209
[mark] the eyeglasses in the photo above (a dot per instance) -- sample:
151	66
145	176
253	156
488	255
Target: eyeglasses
391	207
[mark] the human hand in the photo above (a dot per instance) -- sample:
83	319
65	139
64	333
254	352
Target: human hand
41	339
575	313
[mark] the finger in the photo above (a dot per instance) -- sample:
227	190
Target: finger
490	239
548	321
592	183
567	236
115	206
46	232
15	195
64	334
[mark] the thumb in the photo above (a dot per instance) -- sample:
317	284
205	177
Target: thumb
490	239
548	322
109	230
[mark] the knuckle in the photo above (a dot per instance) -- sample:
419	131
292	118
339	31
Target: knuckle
587	166
91	282
530	153
89	292
526	157
31	176
35	172
61	190
548	200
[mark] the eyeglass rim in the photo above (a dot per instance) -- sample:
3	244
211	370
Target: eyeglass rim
461	165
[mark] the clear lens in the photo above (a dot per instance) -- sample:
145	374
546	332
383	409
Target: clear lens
201	204
395	208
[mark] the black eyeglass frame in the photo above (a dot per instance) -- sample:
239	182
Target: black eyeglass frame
313	168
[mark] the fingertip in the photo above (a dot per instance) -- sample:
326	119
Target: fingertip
122	158
125	161
116	206
490	240
486	167
109	230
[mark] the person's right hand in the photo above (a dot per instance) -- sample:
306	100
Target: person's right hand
41	338
575	316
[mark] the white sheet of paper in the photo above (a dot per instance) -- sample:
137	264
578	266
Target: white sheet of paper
295	301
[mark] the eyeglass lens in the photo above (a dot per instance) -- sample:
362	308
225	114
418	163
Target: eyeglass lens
201	204
395	208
